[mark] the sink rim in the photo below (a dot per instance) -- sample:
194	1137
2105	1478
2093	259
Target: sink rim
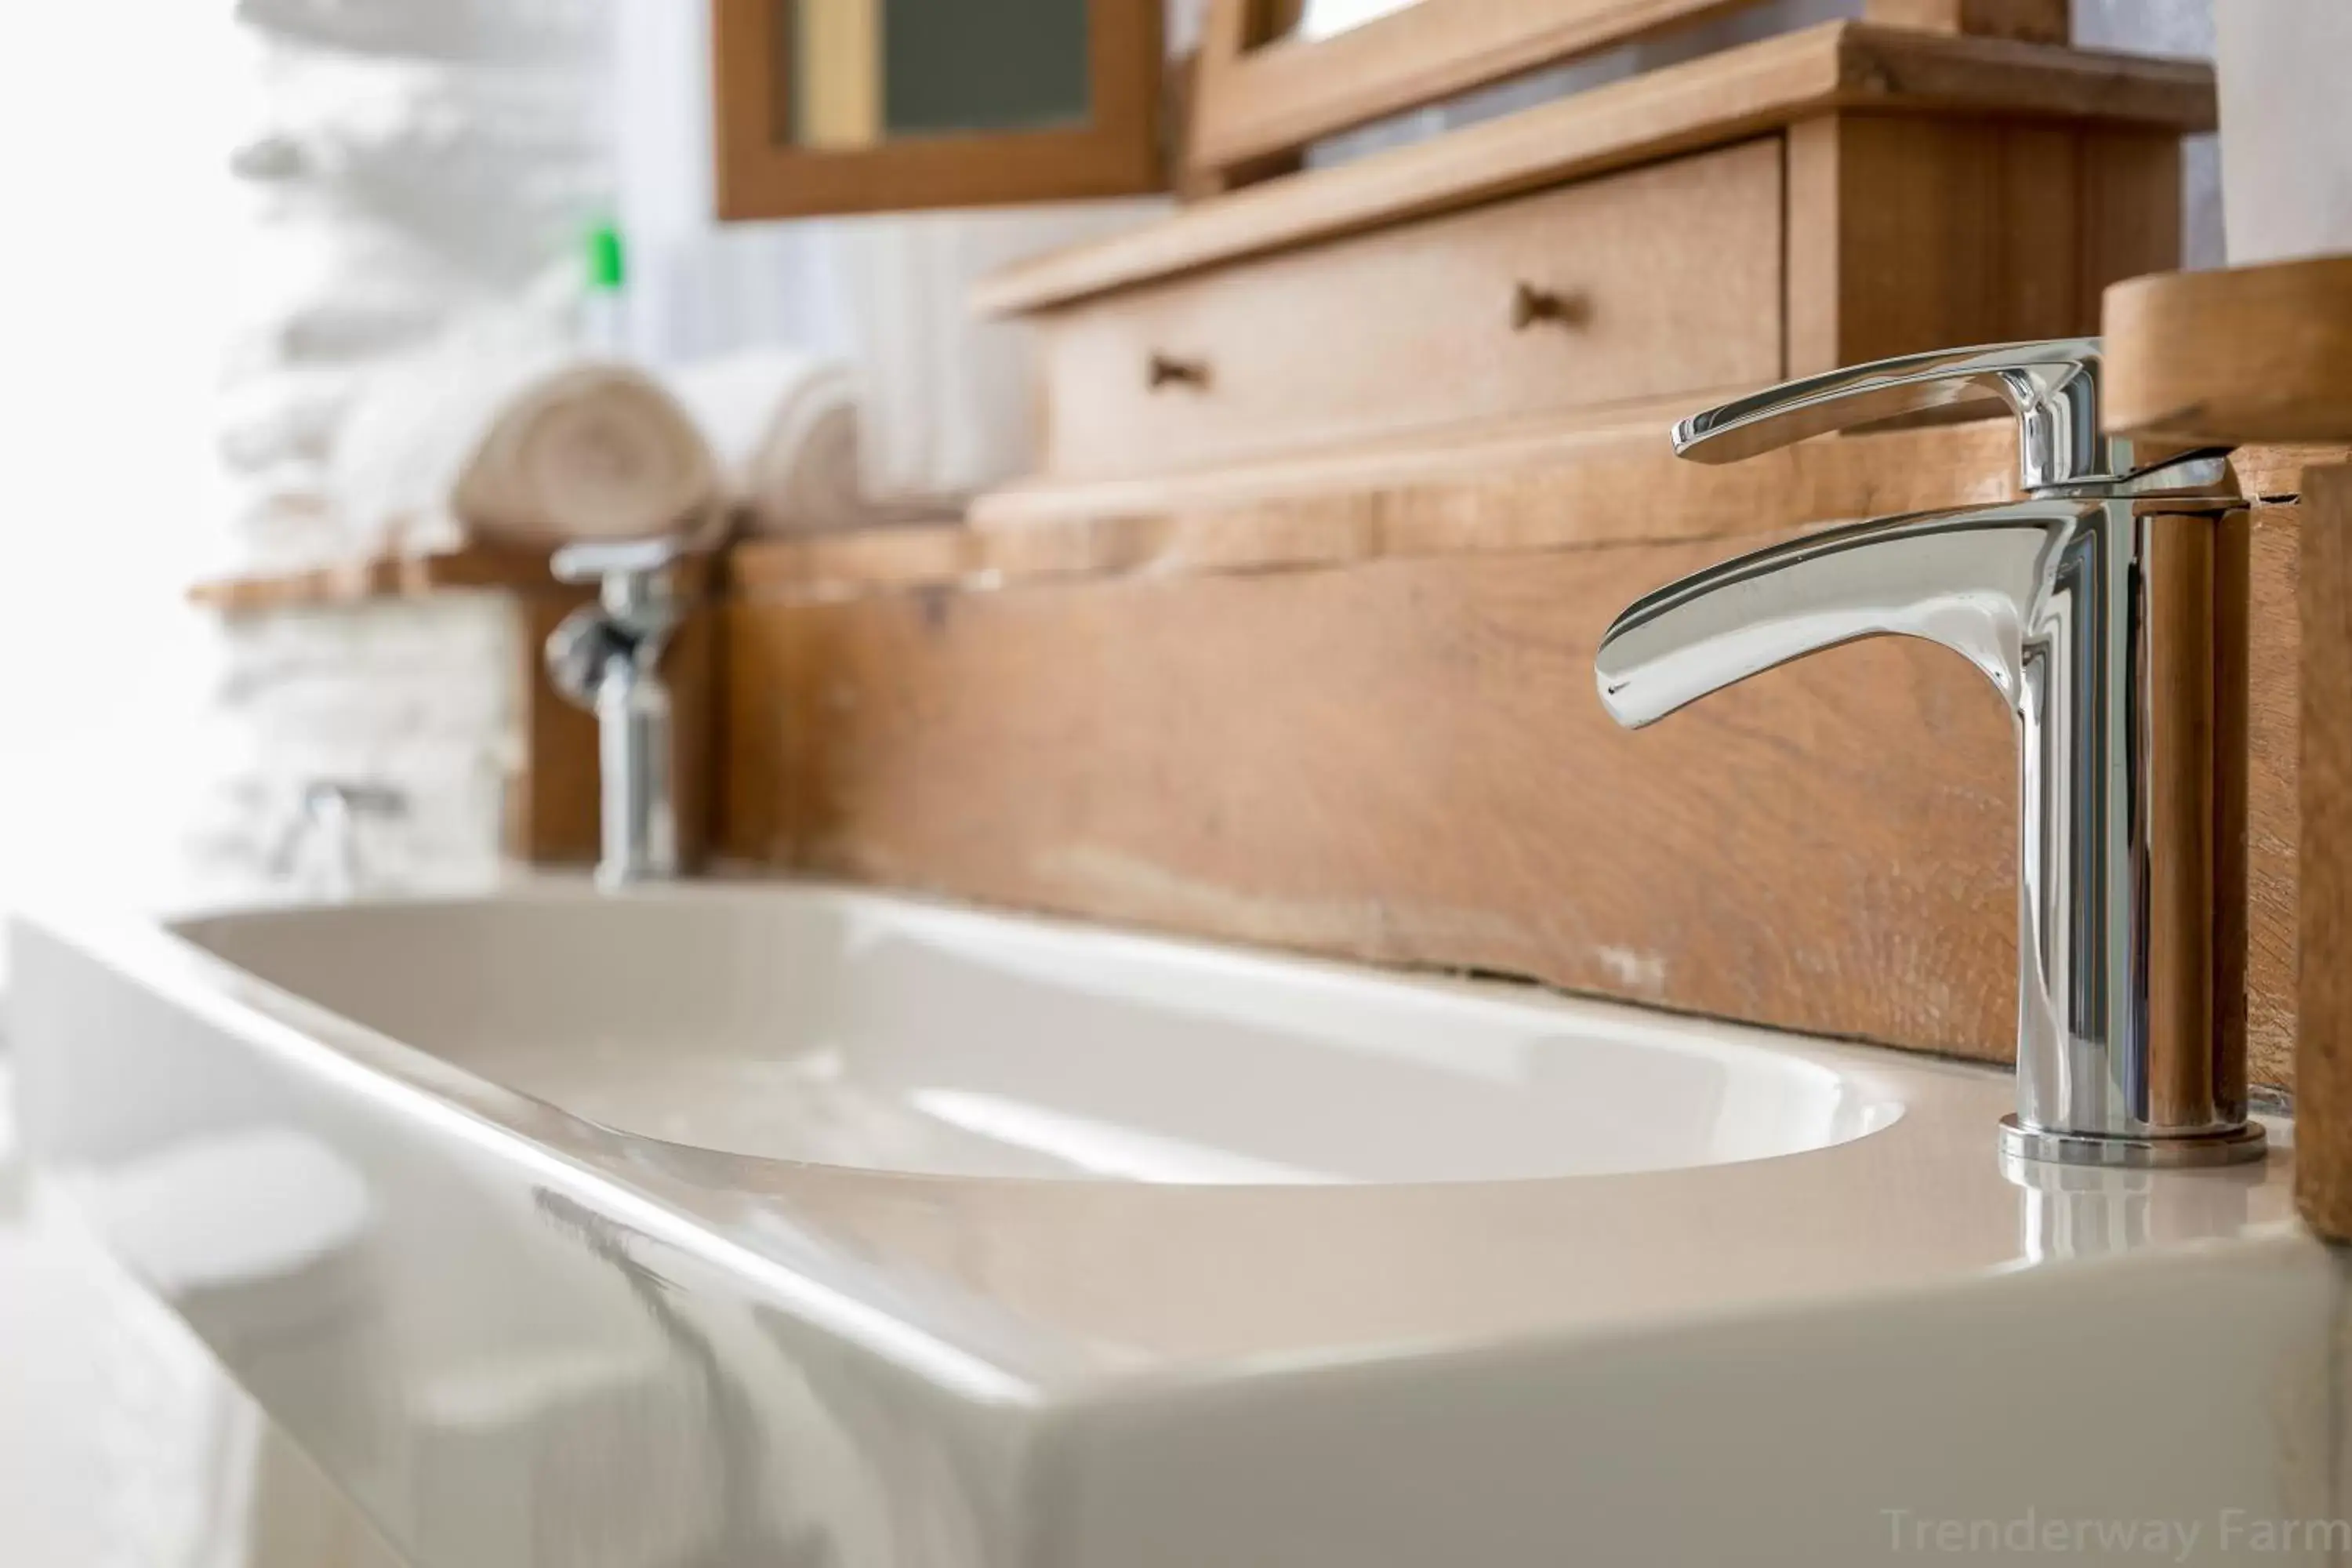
1845	1083
1922	1204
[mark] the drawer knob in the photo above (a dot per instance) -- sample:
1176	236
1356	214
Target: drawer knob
1530	304
1165	370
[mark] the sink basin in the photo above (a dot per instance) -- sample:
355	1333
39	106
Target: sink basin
783	1224
896	1037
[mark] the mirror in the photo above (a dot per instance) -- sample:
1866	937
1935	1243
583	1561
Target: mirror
839	106
865	71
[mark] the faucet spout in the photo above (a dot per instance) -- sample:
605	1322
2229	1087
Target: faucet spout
1969	580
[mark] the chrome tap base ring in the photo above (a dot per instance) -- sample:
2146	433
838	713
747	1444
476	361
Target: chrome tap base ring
2237	1146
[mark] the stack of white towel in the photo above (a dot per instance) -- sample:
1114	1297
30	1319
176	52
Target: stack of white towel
413	168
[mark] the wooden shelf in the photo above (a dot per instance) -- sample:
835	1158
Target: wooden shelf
379	577
2237	355
1756	90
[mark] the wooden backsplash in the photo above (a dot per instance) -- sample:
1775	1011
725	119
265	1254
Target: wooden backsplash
1366	726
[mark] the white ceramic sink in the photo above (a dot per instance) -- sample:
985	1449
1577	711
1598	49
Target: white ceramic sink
894	1037
765	1223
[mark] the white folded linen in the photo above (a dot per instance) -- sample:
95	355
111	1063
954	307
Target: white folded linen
519	448
314	295
437	29
495	168
289	416
783	427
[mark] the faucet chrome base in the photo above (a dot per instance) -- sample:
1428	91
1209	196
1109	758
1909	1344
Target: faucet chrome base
2237	1146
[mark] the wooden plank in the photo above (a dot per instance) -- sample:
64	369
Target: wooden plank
1908	233
1075	747
377	577
2036	21
1072	743
2274	472
1659	281
1728	96
1261	93
1078	748
550	809
1537	488
2238	354
2264	701
2324	1040
2127	210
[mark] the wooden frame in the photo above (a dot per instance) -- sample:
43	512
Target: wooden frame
1258	96
760	174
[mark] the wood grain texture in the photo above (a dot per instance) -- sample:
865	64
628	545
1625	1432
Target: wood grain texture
2324	1039
1260	93
1534	481
1060	730
549	816
1730	96
1542	487
2238	354
1909	232
1657	280
2265	703
2270	472
760	174
2036	21
1831	847
377	577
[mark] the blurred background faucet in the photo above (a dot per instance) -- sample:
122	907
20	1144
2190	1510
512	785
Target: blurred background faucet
324	835
607	656
2094	622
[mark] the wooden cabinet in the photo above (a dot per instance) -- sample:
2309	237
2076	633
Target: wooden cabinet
1816	199
1658	281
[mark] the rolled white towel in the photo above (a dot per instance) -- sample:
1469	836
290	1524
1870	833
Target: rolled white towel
783	427
524	449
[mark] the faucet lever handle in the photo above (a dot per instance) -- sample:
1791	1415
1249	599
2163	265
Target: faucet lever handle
595	560
634	576
2053	387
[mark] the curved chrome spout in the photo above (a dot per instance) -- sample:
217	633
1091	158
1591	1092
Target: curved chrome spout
2050	599
1968	580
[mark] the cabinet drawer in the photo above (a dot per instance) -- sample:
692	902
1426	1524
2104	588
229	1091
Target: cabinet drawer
1662	279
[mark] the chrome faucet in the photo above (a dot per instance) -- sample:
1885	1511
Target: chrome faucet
327	817
2093	622
606	657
